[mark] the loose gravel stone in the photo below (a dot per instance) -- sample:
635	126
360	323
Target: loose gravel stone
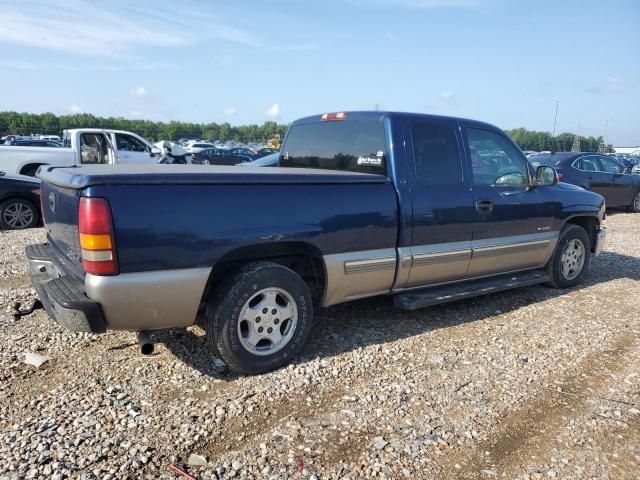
532	383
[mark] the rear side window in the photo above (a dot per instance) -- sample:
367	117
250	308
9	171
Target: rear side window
436	154
93	148
588	164
352	146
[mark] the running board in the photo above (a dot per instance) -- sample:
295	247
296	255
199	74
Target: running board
473	288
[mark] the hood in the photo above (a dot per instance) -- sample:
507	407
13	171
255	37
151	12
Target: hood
569	186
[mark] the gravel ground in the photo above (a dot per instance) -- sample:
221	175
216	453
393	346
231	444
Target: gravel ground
534	383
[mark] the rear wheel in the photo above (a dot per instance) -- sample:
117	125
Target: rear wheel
635	204
571	257
18	214
261	318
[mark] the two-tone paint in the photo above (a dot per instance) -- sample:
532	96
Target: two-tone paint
373	234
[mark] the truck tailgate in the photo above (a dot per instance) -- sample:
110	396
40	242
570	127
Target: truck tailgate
60	214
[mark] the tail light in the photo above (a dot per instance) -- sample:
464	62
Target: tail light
96	237
560	175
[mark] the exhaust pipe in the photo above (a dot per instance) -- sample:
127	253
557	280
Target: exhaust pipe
145	342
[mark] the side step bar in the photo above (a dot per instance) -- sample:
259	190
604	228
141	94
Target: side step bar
473	288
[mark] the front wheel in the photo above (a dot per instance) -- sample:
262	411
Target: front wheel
571	257
635	204
260	318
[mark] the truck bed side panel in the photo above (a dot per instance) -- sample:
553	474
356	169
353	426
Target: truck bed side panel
162	227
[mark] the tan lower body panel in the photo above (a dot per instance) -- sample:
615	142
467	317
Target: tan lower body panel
149	300
356	275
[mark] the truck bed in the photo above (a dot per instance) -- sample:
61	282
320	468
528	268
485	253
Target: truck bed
170	217
86	176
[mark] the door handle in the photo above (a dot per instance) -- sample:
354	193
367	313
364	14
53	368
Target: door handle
484	206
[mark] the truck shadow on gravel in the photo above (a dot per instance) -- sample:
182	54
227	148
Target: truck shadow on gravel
361	323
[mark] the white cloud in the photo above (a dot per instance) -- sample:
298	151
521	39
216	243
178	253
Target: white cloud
614	83
274	111
230	111
391	37
82	27
63	67
139	92
118	29
448	98
74	109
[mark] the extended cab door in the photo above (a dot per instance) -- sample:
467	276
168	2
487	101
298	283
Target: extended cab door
443	215
513	227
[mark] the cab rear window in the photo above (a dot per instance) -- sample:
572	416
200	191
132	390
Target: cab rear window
351	146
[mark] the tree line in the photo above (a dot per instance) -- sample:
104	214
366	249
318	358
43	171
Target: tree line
543	141
50	124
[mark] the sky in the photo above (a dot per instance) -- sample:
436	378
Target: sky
248	61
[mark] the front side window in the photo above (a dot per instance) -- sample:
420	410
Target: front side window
353	146
436	154
127	143
494	161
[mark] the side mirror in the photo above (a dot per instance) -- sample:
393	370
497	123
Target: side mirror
155	151
546	176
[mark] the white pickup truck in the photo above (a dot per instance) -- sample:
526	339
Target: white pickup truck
80	147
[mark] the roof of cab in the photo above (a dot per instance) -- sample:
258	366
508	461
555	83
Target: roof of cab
380	116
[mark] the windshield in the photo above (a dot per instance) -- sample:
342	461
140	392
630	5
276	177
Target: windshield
353	146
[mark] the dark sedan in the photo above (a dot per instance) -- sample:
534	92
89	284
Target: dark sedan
263	152
218	156
599	173
19	202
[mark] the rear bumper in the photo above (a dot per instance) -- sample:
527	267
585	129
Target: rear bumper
601	238
62	294
129	301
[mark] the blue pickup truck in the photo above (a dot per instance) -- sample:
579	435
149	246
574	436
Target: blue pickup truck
428	209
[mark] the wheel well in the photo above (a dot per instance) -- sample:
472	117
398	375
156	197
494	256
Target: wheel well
589	224
304	259
30	169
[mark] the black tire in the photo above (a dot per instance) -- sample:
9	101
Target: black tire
226	306
635	203
554	267
8	221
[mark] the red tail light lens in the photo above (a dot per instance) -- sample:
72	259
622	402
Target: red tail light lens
333	116
560	176
96	237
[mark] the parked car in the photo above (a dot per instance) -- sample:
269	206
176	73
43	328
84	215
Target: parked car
19	202
80	146
197	147
363	204
599	173
218	156
243	152
267	161
263	152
